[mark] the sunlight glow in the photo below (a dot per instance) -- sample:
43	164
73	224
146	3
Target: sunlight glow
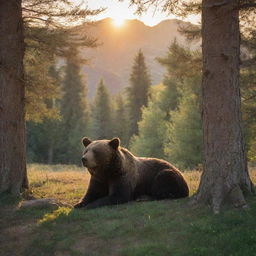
118	22
122	10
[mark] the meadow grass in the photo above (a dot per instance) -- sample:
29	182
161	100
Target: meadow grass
153	228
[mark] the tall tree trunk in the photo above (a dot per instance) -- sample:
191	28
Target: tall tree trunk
225	174
13	174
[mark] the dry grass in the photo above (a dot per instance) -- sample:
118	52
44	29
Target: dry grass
66	183
193	179
252	172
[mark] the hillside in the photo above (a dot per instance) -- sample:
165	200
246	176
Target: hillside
113	58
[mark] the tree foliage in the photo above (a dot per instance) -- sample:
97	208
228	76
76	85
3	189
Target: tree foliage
101	114
180	64
51	30
58	141
171	124
120	120
41	87
183	144
152	128
73	109
137	92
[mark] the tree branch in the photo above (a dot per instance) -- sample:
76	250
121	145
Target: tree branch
249	98
46	13
34	17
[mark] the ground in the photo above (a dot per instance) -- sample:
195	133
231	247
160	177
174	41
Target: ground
134	229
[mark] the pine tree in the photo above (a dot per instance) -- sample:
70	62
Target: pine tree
180	63
152	128
43	140
51	29
183	145
74	112
165	101
138	91
13	173
40	85
225	175
14	17
101	123
120	121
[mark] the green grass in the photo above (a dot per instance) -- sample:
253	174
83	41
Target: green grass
134	229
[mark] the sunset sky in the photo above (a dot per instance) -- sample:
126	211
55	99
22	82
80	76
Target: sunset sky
120	11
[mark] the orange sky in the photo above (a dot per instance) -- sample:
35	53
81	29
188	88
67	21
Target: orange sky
121	10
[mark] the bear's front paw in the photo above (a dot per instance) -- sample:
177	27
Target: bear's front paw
79	205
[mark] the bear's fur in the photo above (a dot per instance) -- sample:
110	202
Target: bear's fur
117	176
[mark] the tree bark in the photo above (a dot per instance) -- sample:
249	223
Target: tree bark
13	175
225	174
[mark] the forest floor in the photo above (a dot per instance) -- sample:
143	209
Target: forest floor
156	228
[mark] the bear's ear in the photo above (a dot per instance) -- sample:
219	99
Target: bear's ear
86	141
114	143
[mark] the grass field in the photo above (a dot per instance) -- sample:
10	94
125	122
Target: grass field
156	228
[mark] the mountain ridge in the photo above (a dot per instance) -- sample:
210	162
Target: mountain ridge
112	60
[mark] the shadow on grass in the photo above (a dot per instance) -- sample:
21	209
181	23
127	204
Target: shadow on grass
148	228
8	200
134	229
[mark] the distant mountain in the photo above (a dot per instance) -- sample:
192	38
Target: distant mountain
113	59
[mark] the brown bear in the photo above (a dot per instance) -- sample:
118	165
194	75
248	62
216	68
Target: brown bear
117	176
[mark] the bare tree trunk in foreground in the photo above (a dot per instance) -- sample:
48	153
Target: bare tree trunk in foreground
13	175
225	175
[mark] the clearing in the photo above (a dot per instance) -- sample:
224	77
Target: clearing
136	229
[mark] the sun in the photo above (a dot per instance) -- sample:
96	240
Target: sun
118	22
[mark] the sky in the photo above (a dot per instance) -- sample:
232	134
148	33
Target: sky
119	11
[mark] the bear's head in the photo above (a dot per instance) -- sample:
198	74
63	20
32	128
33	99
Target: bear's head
99	154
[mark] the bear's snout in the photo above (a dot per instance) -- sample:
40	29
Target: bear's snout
84	161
